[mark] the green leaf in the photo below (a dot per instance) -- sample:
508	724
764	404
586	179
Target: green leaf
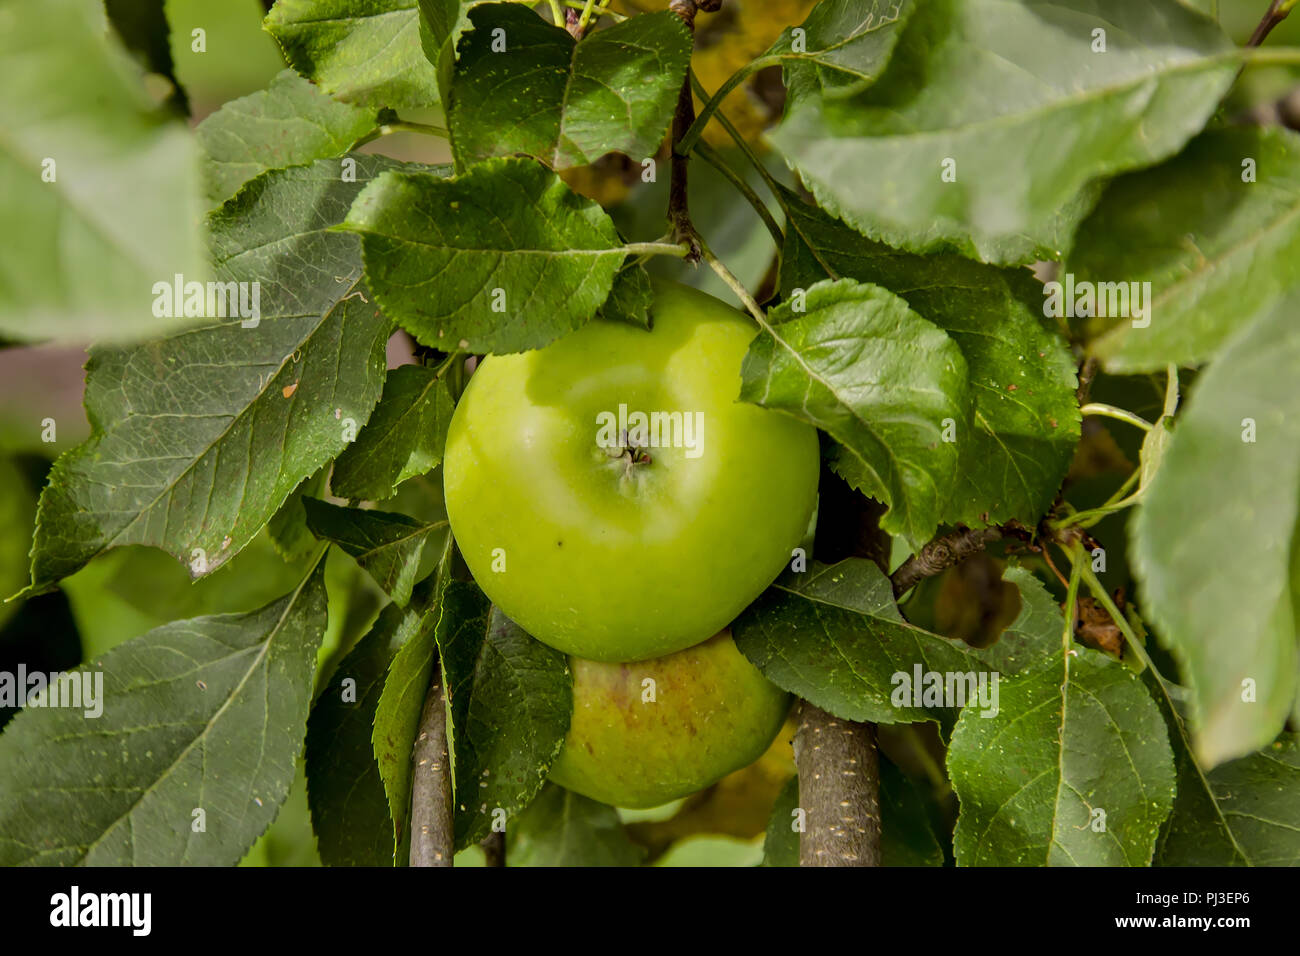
834	636
781	841
350	811
510	702
388	546
631	299
562	101
290	123
1230	620
1255	799
561	828
970	77
197	440
502	258
1196	831
844	46
400	705
362	51
1075	769
204	714
1218	251
160	590
1022	376
1242	813
883	382
288	531
17	517
906	834
404	437
441	24
1034	634
1260	796
122	208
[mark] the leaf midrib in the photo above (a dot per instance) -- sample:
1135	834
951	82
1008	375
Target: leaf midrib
170	486
415	532
1113	339
1032	115
400	13
253	667
815	57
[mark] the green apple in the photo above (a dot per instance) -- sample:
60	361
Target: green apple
616	538
644	733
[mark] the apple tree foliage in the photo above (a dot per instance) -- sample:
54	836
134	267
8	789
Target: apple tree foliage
927	154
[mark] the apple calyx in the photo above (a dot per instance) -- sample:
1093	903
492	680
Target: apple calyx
631	452
631	449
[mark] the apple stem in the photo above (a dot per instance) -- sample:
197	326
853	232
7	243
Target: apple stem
736	286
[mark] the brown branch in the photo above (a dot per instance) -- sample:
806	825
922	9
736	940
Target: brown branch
494	849
839	789
836	760
686	9
1276	13
679	216
432	834
942	553
1087	372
